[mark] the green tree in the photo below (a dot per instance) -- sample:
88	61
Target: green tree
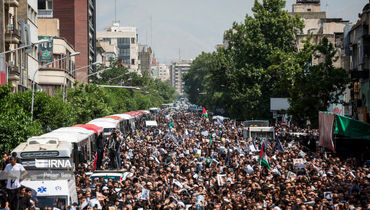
15	124
195	79
115	75
45	109
311	87
237	78
88	102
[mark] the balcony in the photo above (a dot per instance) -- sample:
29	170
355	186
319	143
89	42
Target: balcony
11	3
12	35
14	73
45	13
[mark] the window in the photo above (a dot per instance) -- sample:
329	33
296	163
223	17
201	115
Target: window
107	40
132	40
41	4
123	41
132	61
124	52
309	10
45	4
50	4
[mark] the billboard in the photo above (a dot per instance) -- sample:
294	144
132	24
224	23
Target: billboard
277	104
46	49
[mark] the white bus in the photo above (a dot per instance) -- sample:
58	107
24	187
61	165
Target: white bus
107	124
38	150
81	142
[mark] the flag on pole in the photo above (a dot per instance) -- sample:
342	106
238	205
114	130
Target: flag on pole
263	159
95	160
279	146
205	113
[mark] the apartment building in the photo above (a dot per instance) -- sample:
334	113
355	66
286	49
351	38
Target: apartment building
58	74
177	70
126	41
358	43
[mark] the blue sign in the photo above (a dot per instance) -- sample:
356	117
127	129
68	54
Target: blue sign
41	189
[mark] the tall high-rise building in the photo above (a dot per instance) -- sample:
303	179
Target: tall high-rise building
77	25
126	40
177	70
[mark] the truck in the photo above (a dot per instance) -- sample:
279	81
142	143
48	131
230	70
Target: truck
258	129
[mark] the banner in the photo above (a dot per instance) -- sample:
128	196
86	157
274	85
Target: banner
326	124
46	49
3	76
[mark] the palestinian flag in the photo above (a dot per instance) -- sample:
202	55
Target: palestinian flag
205	113
263	159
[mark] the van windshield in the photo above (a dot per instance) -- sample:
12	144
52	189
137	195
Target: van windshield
106	178
108	130
52	201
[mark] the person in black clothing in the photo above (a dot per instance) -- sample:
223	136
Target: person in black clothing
24	200
113	146
100	150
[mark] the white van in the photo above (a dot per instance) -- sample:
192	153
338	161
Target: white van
57	193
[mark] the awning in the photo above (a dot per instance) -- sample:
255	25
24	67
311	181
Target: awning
330	124
92	127
349	127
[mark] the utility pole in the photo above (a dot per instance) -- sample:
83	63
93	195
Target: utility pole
151	30
115	11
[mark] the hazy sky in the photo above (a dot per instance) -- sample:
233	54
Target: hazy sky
194	26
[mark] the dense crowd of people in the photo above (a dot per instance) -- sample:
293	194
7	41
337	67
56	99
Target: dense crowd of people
191	162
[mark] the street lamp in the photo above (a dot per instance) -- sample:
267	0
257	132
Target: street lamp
34	75
94	73
37	42
64	80
119	76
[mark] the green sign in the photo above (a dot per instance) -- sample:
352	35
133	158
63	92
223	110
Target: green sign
46	49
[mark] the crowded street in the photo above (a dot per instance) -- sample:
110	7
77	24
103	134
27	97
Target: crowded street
189	161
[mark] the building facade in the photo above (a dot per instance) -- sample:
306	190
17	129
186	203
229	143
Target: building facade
160	71
58	74
107	51
145	59
177	70
318	26
77	25
126	41
11	64
359	53
27	18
